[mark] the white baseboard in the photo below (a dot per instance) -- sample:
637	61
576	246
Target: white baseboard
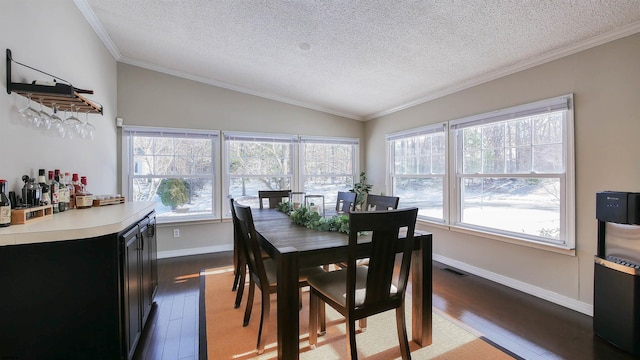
544	294
194	251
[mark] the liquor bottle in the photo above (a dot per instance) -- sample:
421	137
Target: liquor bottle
84	199
62	192
5	205
53	191
45	199
71	190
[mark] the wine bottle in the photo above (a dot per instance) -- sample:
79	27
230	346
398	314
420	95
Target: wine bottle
45	199
62	192
84	199
53	191
71	190
5	205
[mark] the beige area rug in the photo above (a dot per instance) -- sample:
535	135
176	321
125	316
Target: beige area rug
223	337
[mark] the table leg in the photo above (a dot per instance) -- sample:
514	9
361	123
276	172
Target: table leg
288	305
421	285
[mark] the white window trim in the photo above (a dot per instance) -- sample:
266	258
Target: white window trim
567	209
451	187
327	140
423	130
127	170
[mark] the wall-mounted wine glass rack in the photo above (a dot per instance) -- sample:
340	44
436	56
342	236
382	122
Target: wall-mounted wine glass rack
60	96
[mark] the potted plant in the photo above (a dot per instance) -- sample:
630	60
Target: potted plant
361	189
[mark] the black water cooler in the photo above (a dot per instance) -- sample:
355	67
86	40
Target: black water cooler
616	301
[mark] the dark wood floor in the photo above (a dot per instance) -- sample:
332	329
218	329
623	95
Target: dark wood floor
524	325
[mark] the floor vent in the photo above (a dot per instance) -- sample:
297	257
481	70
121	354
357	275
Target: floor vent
455	272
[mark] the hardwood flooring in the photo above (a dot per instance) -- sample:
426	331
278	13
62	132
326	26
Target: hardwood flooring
522	324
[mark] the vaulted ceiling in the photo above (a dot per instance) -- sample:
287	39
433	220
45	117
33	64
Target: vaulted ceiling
357	59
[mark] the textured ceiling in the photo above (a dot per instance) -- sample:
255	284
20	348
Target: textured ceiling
359	59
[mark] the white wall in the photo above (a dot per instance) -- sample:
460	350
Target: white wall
150	98
54	37
605	81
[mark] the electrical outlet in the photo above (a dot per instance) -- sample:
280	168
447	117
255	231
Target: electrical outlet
176	233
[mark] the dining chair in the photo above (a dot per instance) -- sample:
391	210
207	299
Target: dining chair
262	272
275	197
357	292
381	202
346	202
239	258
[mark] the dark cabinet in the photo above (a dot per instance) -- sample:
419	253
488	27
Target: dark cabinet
85	298
140	278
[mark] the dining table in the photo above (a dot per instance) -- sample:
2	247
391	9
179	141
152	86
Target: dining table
294	246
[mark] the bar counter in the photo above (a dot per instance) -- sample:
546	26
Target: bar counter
76	224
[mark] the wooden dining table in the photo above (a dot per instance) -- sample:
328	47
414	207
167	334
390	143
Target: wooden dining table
294	246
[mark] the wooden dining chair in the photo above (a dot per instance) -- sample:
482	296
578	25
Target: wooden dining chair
239	258
262	272
274	196
381	202
357	292
346	202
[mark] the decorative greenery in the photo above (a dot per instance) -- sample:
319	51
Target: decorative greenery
313	220
361	189
173	192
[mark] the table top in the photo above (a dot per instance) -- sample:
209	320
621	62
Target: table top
280	234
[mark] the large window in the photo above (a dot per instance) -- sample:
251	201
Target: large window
173	167
418	169
258	162
514	171
328	166
505	174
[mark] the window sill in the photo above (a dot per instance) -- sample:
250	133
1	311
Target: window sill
559	249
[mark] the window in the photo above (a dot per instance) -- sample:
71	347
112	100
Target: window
173	167
417	161
328	166
258	162
514	172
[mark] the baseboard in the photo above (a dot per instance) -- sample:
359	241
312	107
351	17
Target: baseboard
194	251
541	293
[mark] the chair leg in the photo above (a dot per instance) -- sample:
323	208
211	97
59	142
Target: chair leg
351	339
313	319
241	280
247	312
264	318
322	317
402	333
363	324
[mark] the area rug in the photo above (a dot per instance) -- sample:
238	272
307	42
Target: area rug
223	337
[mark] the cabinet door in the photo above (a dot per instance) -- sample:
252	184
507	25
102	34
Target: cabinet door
145	254
153	254
132	296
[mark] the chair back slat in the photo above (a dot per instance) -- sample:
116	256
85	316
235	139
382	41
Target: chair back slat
251	246
381	202
346	202
274	196
385	228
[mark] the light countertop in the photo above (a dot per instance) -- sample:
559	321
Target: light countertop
77	224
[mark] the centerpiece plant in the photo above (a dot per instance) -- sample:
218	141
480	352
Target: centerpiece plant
312	220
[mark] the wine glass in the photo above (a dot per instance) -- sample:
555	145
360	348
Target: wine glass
88	130
28	113
45	117
73	125
56	121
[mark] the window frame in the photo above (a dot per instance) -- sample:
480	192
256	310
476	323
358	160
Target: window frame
128	176
452	187
355	161
430	130
566	177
